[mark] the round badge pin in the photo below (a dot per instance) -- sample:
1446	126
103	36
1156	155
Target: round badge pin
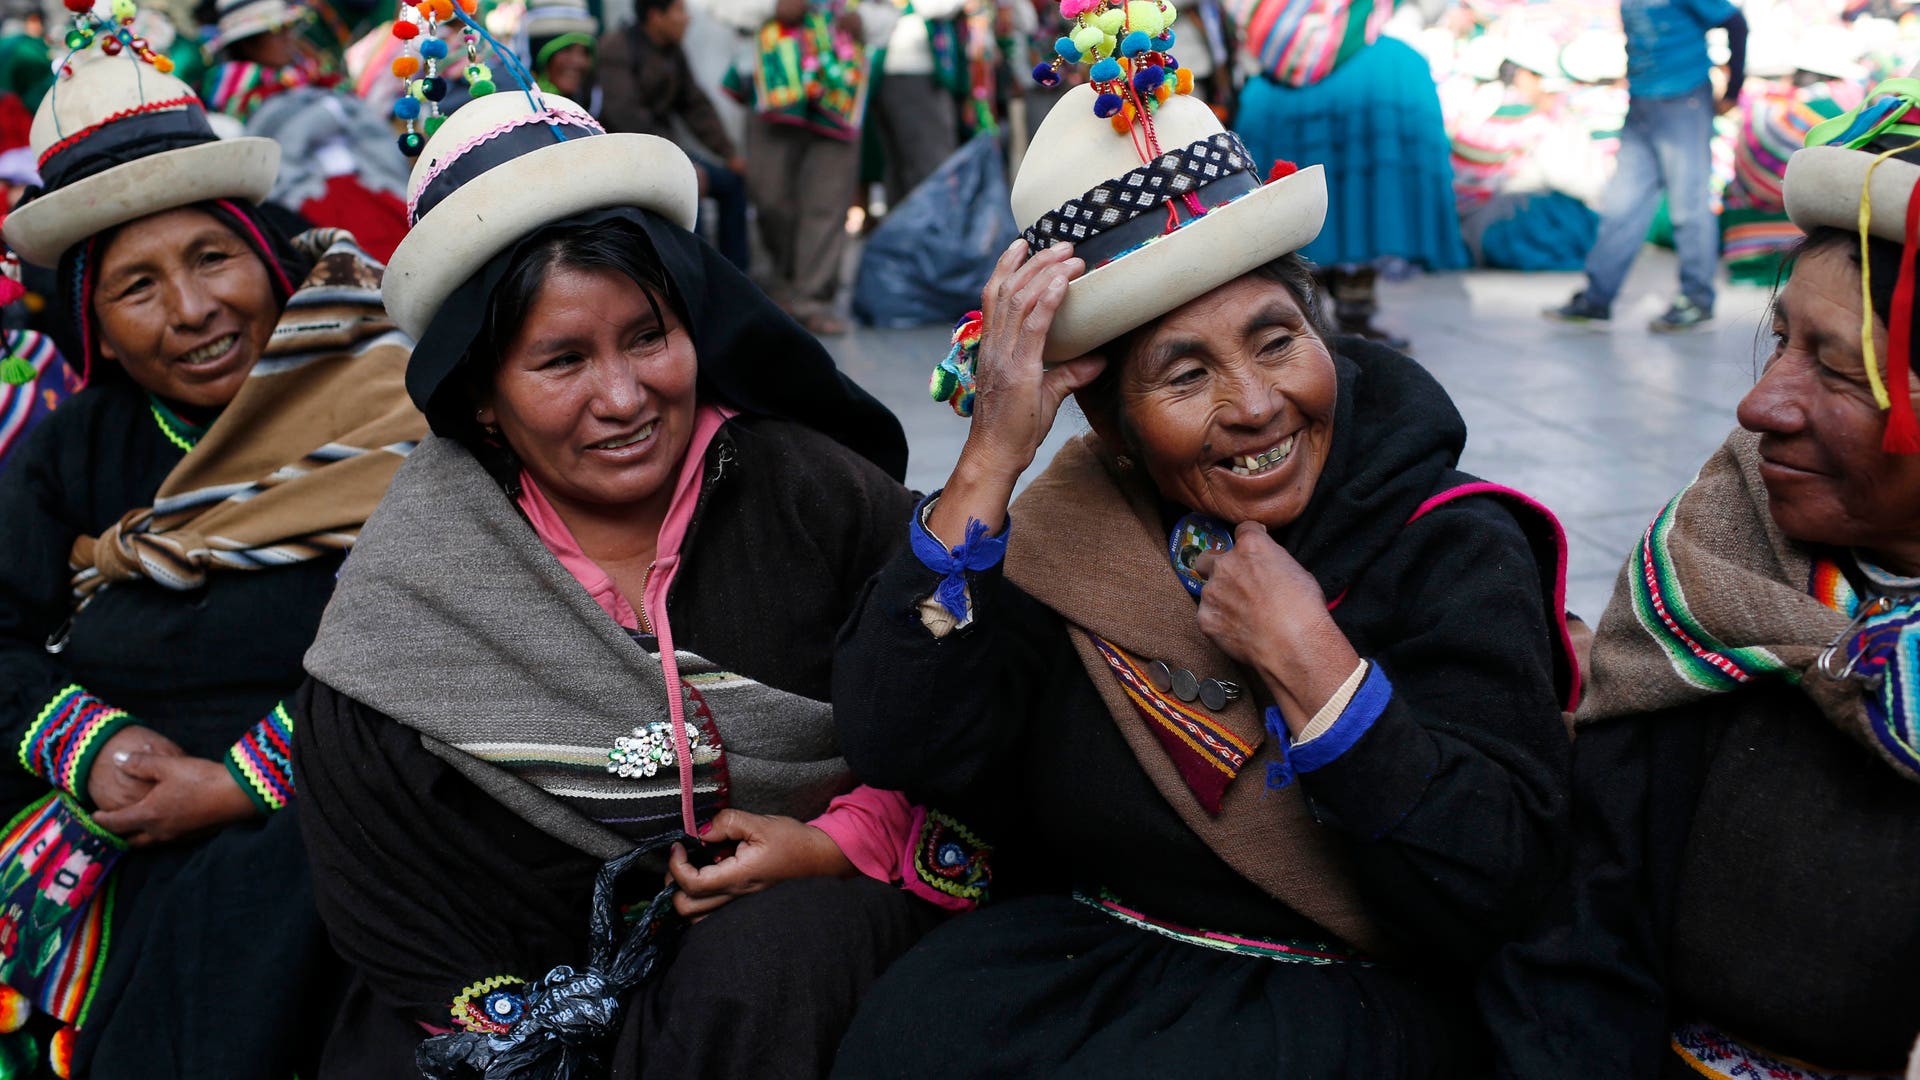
1193	536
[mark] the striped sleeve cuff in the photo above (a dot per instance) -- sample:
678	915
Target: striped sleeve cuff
262	761
61	743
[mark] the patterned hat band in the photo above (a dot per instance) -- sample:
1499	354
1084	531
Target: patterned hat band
1122	213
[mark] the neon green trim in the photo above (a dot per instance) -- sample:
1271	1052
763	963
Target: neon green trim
178	431
546	51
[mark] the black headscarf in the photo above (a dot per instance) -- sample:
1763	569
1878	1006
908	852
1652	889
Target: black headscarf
752	356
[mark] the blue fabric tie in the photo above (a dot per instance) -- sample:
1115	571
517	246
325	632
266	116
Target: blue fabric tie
977	552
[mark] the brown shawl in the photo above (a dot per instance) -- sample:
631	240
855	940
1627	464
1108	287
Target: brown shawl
1131	598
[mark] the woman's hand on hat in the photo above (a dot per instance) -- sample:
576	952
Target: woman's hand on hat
1017	396
1261	607
187	796
768	850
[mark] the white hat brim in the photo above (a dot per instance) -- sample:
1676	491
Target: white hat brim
555	25
1823	185
495	210
1139	287
45	228
256	24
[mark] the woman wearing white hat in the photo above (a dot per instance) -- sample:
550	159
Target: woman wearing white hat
1746	774
595	616
173	532
259	54
1256	697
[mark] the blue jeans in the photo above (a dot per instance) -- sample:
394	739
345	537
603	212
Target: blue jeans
1664	145
728	190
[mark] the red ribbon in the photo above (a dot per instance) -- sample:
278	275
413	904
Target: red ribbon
1903	429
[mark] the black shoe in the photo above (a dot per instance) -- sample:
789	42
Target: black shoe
1578	310
1683	315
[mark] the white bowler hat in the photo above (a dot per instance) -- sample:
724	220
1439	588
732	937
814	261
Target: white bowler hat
117	141
1082	182
241	19
1843	160
502	167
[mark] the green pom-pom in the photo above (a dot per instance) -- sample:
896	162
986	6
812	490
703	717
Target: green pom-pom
481	88
944	384
17	371
433	124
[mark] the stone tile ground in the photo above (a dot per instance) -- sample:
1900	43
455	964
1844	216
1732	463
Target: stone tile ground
1603	426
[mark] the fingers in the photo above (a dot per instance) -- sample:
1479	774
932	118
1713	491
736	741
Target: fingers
685	874
144	766
1203	565
730	825
1013	280
695	909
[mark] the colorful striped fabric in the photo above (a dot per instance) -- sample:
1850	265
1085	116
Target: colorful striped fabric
1486	154
262	761
1661	607
1292	952
25	405
56	904
1884	648
1300	42
1207	755
61	743
1710	1052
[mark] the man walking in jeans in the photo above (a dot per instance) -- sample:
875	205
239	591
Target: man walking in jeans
1664	146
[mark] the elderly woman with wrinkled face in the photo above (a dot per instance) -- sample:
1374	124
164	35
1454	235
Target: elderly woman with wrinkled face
1746	774
1253	695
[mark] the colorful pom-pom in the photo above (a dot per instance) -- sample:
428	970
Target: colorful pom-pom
433	124
78	39
1148	78
1164	41
1045	75
1110	21
124	9
1086	41
478	73
1161	93
468	6
79	6
406	108
60	1053
110	45
443	9
1282	169
953	379
15	1009
1183	81
1106	70
1135	43
411	143
1067	50
14	371
1107	105
163	65
404	67
433	49
406	29
1073	9
1122	122
481	88
433	88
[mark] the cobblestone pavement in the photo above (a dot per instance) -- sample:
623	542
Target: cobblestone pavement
1603	426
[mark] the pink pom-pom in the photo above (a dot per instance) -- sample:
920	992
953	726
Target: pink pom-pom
1073	9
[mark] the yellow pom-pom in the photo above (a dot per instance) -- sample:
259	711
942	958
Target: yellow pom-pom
1110	21
15	1009
1183	81
1123	120
404	67
60	1053
163	65
1145	15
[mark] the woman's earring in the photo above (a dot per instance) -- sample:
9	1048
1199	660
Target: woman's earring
492	431
1122	462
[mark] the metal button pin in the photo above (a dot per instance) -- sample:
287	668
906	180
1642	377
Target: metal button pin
1213	695
1185	686
1160	675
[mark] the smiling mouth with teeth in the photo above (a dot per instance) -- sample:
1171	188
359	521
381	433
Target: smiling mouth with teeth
1267	461
621	441
210	350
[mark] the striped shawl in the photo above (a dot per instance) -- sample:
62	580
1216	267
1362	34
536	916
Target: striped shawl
1715	597
297	461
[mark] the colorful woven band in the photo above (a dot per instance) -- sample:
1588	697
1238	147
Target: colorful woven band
262	761
951	860
492	1005
1207	755
61	743
1102	223
1284	950
1712	1052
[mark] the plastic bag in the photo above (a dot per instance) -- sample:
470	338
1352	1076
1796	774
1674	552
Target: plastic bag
929	259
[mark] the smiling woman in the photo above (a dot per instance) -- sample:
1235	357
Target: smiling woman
173	535
1276	828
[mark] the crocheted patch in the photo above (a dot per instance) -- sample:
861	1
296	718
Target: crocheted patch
492	1005
951	859
262	761
1123	198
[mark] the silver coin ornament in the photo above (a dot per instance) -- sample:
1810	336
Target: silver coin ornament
1185	686
649	749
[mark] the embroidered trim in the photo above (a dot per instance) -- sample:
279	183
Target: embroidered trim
1123	198
1661	609
262	761
1711	1052
60	744
147	107
950	859
1283	950
185	435
1884	649
547	115
1220	747
491	1006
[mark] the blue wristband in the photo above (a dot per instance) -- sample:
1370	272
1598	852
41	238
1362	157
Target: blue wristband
1355	721
977	552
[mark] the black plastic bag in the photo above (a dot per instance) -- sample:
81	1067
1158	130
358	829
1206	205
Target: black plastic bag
570	1014
931	256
